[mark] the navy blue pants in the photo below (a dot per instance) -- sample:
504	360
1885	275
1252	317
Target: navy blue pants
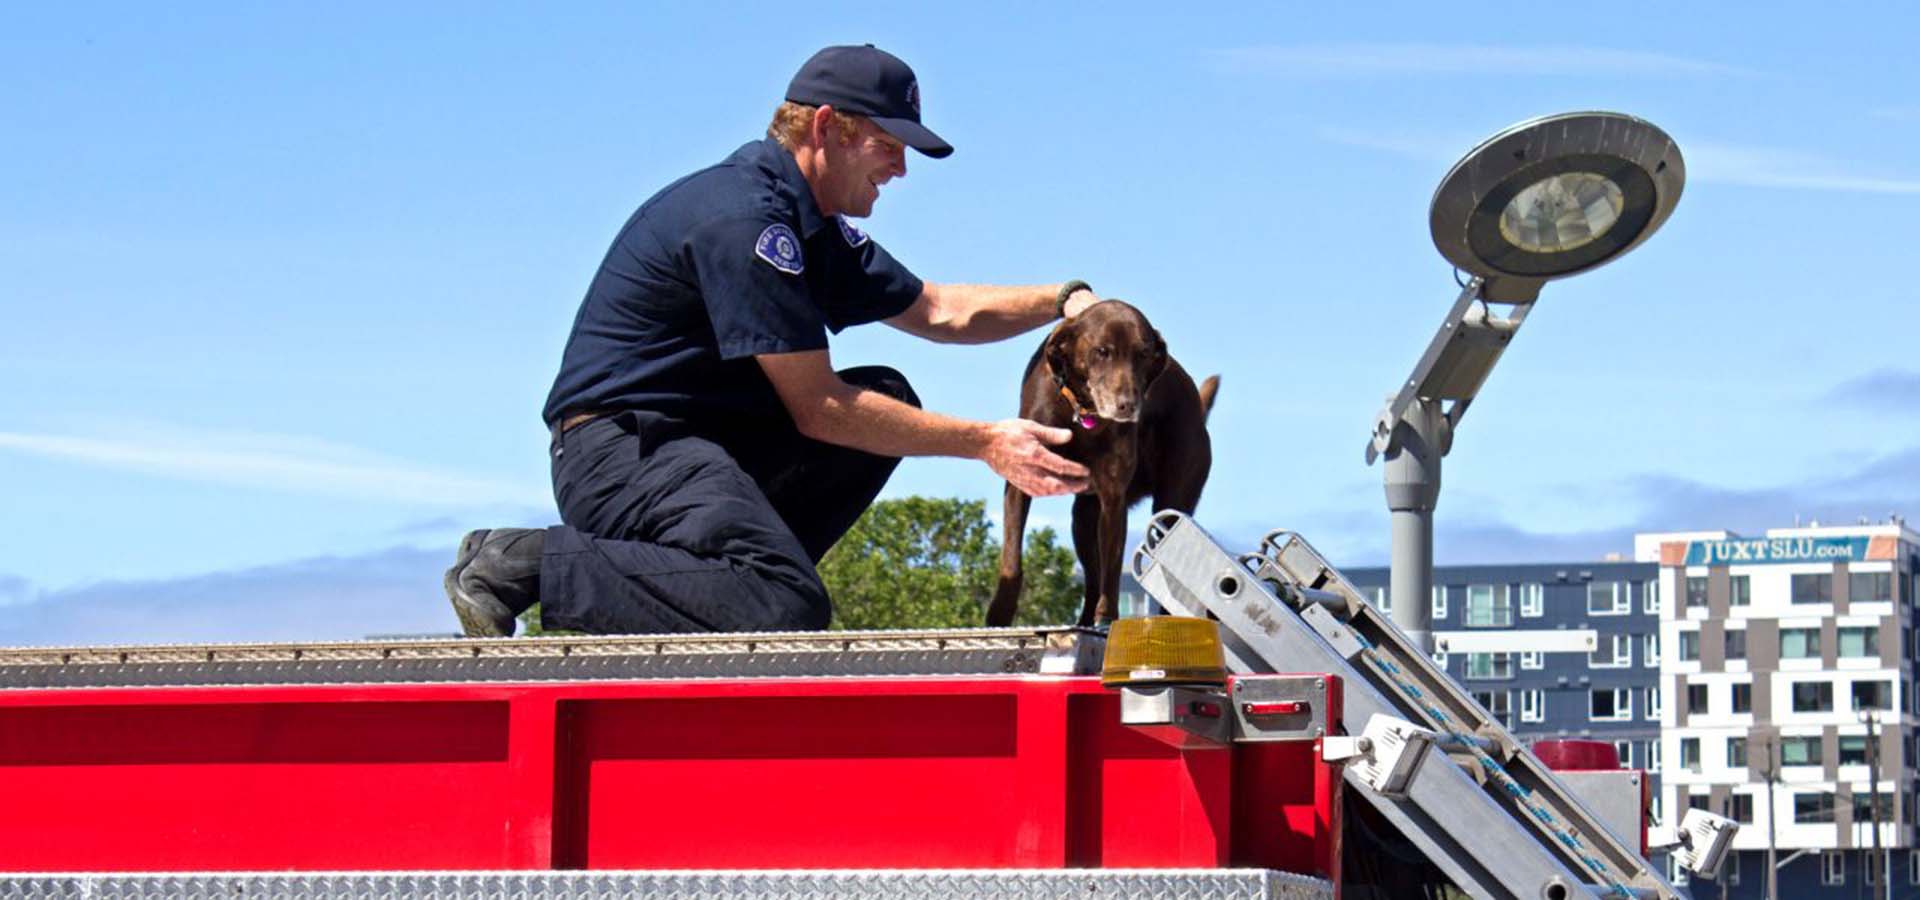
668	531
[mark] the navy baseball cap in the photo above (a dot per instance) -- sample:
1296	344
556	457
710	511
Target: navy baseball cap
870	82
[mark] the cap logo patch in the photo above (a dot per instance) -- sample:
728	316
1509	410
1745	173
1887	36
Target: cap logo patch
780	248
913	95
855	237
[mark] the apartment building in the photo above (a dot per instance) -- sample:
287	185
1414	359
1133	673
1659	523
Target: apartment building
1787	669
1610	694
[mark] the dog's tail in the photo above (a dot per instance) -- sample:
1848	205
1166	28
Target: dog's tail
1208	388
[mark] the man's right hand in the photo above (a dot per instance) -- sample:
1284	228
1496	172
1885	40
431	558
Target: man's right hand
1017	450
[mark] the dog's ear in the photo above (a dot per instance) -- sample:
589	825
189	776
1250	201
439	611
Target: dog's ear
1156	354
1059	348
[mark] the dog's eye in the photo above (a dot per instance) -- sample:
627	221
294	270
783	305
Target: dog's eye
1103	352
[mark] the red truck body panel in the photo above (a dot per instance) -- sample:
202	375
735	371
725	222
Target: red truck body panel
805	773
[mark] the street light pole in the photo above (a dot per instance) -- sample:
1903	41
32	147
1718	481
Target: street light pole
1773	778
1879	861
1544	199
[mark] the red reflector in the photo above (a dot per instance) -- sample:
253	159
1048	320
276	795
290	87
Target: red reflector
1204	709
1275	708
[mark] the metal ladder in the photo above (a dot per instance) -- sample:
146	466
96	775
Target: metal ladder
1479	804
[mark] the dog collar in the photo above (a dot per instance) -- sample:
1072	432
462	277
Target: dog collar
1086	419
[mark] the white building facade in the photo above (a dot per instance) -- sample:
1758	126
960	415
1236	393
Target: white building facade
1786	675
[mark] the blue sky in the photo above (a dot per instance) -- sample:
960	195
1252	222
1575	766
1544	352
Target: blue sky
283	286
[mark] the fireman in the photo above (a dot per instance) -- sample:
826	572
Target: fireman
705	453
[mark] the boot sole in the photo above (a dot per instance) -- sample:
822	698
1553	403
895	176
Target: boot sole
479	616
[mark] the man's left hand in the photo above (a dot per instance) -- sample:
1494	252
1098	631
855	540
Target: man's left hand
1078	301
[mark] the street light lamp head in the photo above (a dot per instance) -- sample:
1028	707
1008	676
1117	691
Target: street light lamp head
1553	196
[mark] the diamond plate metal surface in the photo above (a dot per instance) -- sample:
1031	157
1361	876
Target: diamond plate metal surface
979	651
1078	884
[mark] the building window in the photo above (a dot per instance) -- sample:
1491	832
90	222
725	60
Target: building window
1869	587
1736	639
1605	598
1740	590
1873	695
1533	600
1498	704
1533	705
1813	809
1816	587
1489	606
1489	666
1650	597
1439	602
1799	643
1736	752
1690	754
1533	659
1696	592
1853	750
1614	652
1676	873
1833	863
1730	871
1913	866
1800	751
1653	702
1868	807
1377	598
1624	750
1859	641
1742	699
1813	696
1689	646
1650	652
1740	809
1697	699
1653	762
1610	704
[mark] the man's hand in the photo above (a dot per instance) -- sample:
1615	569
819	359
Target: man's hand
1017	450
1078	301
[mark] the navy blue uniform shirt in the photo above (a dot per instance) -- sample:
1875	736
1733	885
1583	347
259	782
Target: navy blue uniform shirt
729	262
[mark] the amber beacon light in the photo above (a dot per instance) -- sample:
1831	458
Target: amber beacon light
1164	650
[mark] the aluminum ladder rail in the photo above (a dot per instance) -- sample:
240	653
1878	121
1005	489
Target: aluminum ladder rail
1486	810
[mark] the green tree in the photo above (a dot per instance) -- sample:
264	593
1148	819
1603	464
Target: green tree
925	562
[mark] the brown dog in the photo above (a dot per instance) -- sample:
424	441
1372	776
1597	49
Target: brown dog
1138	423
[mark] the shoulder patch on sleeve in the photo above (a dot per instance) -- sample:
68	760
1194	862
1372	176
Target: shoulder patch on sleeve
780	248
855	237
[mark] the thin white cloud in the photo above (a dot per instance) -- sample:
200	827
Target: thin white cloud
1896	113
1708	162
1770	167
392	591
1883	390
274	463
1425	147
1378	59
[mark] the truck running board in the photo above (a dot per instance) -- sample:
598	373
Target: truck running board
1480	805
1012	884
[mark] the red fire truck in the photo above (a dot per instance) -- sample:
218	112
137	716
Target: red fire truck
1279	740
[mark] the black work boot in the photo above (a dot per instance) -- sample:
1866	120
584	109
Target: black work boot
495	578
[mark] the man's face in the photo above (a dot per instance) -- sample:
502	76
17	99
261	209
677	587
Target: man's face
857	168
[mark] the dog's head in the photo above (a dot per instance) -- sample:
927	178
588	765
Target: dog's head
1108	356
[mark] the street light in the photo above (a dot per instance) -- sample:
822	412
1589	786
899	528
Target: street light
1544	199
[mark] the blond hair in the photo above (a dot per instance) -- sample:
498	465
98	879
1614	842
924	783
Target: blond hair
793	124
